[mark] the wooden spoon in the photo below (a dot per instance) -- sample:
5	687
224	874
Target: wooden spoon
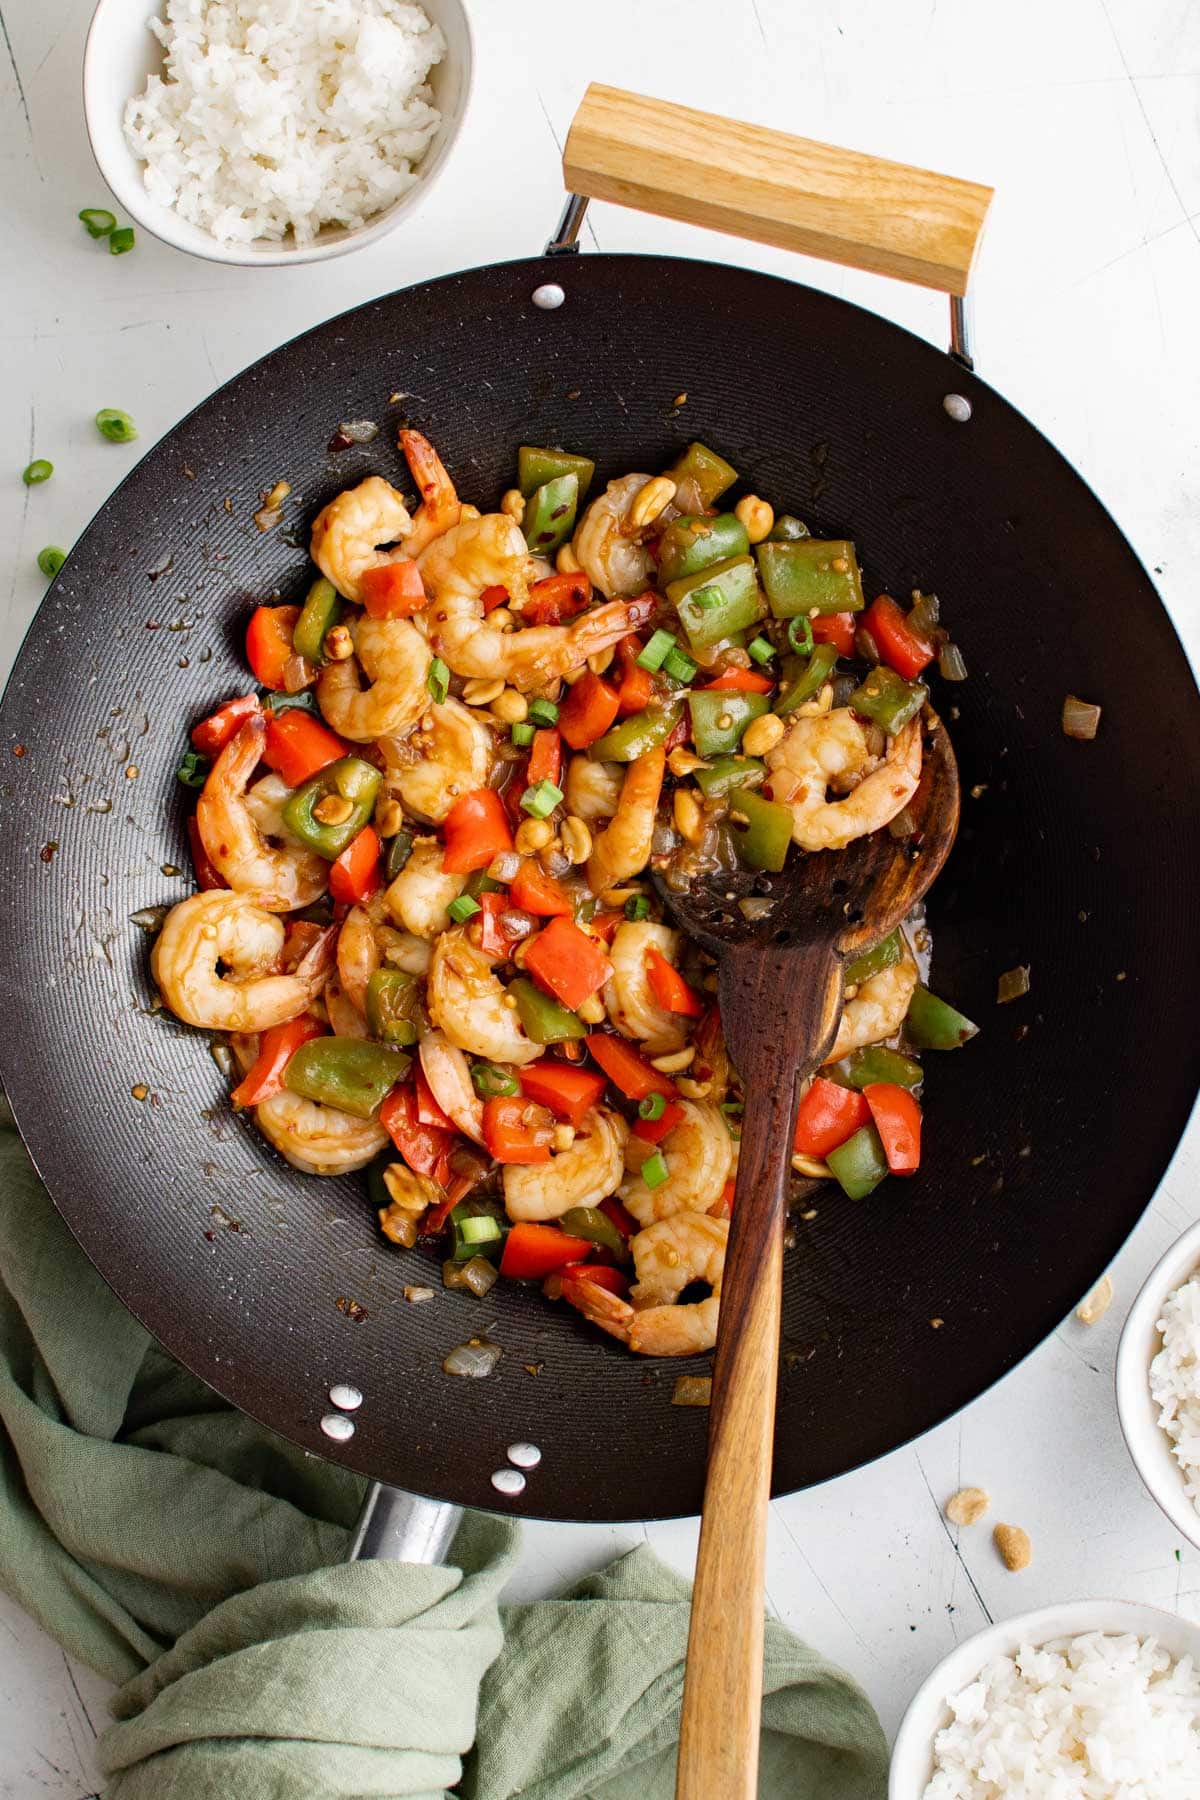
780	986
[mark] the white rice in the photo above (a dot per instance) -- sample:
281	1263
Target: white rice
1094	1717
285	115
1175	1381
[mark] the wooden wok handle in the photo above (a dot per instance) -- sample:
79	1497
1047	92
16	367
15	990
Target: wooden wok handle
840	205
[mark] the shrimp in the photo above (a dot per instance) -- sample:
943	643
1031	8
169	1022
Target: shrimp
623	848
593	789
445	1069
582	1175
395	658
440	507
878	1009
490	552
345	1019
450	754
607	548
467	1001
699	1155
318	1139
629	997
223	927
279	879
422	891
832	748
666	1256
358	955
346	533
265	802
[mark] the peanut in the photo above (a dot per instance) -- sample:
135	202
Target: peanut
1016	1551
334	809
513	503
566	562
509	706
762	734
338	644
533	835
675	1061
482	693
689	820
649	501
576	839
967	1506
1091	1310
758	516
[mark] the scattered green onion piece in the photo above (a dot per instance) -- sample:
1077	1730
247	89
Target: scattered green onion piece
193	770
98	220
733	1106
637	907
543	712
656	651
115	425
51	559
438	679
37	471
491	1082
540	801
652	1107
654	1170
481	1230
761	649
463	908
120	241
522	735
678	666
800	636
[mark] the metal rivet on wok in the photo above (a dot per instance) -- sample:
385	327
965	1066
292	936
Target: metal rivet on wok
526	1456
338	1427
548	296
508	1481
958	406
345	1396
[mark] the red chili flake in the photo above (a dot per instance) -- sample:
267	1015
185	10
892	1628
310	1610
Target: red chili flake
47	850
18	749
339	441
351	1308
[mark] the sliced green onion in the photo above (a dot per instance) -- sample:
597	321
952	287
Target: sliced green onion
656	651
800	635
115	425
654	1170
761	649
543	712
491	1082
678	666
38	471
120	241
463	908
540	801
652	1107
98	220
193	770
522	735
51	559
438	679
637	907
481	1230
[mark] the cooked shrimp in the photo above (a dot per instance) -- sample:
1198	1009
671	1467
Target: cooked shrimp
878	1009
832	748
395	659
223	927
421	892
449	1076
608	549
467	1001
318	1139
278	878
667	1256
490	552
593	789
623	848
358	955
588	1171
449	754
629	997
440	507
345	1019
698	1154
346	533
265	802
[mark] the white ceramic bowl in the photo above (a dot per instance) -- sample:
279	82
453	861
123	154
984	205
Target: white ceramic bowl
121	51
1148	1444
928	1712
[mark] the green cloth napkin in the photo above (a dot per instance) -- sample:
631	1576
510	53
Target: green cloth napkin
196	1559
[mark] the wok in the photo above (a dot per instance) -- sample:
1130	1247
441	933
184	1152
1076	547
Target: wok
1045	1138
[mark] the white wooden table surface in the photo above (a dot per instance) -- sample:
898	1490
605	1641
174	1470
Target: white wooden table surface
1085	115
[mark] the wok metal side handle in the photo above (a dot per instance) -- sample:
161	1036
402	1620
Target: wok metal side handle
397	1527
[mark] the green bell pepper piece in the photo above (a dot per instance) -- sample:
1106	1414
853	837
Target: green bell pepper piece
322	609
640	732
804	677
786	529
352	778
481	883
391	998
696	541
590	1223
888	699
883	955
932	1024
537	467
859	1164
799	577
718	720
399	851
763	840
878	1063
550	515
710	473
480	1227
728	772
352	1074
543	1020
717	601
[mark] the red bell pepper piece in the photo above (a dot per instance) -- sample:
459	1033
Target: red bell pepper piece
669	988
269	643
536	892
624	1221
476	830
557	597
394	590
569	1092
494	939
508	1134
545	757
298	746
599	1274
606	923
898	644
419	1145
531	1251
567	963
636	685
740	681
653	1131
212	734
493	597
836	629
300	935
724	1207
589	710
828	1115
206	875
628	1071
897	1119
356	872
276	1049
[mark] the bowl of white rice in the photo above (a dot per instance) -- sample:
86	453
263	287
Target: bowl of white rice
270	132
1158	1384
1090	1700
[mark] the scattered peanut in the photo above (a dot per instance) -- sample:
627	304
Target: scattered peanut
694	1090
415	1295
509	706
689	820
683	762
334	809
1016	1551
601	660
811	1166
592	1010
482	693
576	839
278	494
338	643
389	816
649	501
1089	1311
758	516
513	503
566	562
532	835
501	619
574	675
410	1192
967	1507
675	1062
762	734
564	1137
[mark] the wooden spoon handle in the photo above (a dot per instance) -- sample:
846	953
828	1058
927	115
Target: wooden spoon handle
794	1001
